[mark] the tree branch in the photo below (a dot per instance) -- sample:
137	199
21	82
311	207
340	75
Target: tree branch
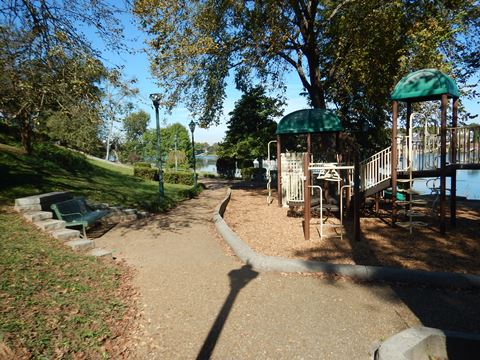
337	9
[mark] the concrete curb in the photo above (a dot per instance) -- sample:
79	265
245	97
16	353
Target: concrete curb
360	272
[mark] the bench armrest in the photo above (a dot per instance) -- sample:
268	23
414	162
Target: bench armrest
69	214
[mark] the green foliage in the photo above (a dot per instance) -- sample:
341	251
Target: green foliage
226	167
75	129
47	63
135	124
247	173
178	177
180	157
251	126
25	175
346	53
209	175
144	172
252	173
167	142
143	164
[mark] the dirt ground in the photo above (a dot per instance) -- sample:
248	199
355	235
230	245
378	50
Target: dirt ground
268	230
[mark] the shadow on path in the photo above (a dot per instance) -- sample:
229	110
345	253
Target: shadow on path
238	279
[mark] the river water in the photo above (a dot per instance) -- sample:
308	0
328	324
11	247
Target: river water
468	181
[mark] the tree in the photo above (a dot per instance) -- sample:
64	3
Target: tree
47	63
251	126
347	53
76	129
115	104
134	126
167	143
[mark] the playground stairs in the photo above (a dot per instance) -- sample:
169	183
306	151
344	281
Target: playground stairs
34	209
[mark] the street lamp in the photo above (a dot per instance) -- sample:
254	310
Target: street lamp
156	102
176	157
191	125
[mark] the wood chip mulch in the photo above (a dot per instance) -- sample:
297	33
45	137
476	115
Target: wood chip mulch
268	230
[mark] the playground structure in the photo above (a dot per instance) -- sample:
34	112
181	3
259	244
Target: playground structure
426	149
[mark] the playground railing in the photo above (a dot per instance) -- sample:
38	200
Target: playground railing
468	144
376	169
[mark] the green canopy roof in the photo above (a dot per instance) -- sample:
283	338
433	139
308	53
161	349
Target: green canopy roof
309	121
422	85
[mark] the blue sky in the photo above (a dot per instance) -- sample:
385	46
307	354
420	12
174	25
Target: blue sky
137	65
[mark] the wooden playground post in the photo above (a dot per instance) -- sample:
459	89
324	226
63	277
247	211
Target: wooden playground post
453	165
356	199
394	161
279	171
409	115
306	191
443	161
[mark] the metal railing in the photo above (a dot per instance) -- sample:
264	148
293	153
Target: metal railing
376	169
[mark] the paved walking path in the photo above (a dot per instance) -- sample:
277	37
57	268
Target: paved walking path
201	303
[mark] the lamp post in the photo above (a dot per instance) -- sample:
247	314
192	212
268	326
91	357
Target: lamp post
156	102
176	157
191	125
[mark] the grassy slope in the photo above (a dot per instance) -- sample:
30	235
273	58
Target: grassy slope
53	302
54	169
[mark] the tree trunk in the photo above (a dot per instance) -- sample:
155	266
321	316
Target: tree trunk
317	97
26	135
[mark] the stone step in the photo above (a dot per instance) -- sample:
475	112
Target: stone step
50	224
25	208
37	199
65	234
29	200
81	244
99	252
35	216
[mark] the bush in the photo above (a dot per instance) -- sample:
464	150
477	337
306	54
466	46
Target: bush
247	173
143	164
245	163
144	172
226	167
255	174
178	177
259	174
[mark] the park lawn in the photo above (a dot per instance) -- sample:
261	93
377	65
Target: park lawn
51	168
55	303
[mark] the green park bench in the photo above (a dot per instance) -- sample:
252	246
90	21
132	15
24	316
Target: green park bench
75	212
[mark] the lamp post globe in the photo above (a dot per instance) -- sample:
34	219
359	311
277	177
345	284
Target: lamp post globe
191	125
156	103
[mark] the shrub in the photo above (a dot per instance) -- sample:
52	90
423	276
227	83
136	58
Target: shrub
178	177
247	173
144	172
226	167
143	164
245	163
133	158
259	174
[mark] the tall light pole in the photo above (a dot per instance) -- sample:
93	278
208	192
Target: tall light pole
176	157
156	102
191	125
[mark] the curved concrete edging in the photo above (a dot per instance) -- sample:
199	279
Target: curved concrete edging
360	272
